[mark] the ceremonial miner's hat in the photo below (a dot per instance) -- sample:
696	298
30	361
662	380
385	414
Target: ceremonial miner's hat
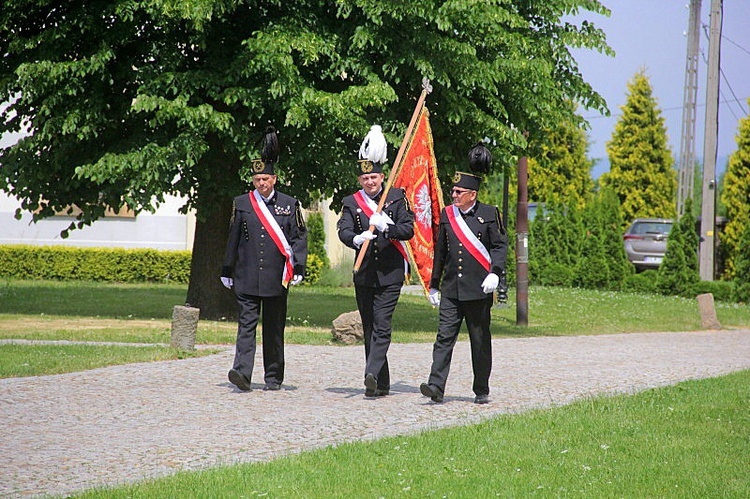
373	152
480	160
466	180
269	153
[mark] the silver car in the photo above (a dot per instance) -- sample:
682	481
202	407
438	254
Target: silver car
646	242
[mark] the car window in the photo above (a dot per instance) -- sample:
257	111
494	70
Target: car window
652	228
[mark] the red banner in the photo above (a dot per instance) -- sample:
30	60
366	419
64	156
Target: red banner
418	177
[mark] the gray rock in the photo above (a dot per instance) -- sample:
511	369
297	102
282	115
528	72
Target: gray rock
347	328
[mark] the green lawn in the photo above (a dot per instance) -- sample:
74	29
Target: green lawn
689	440
684	441
141	313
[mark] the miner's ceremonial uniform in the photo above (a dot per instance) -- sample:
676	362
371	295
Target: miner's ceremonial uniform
383	270
470	254
266	251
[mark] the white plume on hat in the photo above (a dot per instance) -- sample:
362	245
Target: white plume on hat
374	148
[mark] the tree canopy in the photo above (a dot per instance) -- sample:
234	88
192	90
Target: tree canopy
641	164
125	101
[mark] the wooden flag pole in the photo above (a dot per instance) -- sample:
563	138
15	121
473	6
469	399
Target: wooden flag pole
426	89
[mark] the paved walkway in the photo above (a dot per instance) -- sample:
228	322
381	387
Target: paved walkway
65	433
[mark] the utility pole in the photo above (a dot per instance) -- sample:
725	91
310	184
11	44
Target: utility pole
522	245
707	246
687	142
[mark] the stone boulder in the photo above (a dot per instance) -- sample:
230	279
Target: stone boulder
347	328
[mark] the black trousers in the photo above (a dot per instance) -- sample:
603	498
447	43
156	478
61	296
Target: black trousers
273	309
477	316
376	307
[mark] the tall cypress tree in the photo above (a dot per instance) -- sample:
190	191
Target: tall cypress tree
679	271
561	174
641	163
735	197
742	267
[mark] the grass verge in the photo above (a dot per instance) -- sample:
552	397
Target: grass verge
34	360
687	440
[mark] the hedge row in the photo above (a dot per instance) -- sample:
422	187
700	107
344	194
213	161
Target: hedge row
94	264
65	263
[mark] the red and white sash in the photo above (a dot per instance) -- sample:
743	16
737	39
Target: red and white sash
273	229
467	237
368	206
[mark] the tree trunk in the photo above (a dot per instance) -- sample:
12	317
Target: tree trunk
205	290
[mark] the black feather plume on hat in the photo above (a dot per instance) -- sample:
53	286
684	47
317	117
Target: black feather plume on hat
269	149
480	159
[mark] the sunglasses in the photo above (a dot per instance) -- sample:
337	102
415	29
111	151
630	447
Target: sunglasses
458	192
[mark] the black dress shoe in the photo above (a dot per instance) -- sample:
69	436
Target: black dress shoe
431	391
378	392
240	380
272	387
371	383
482	399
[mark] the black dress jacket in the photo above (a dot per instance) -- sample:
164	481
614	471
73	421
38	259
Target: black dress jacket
252	259
383	264
460	272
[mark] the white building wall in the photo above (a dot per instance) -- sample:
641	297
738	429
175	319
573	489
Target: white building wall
166	229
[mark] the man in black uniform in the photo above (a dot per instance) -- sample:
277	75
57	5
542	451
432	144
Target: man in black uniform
378	281
469	258
266	251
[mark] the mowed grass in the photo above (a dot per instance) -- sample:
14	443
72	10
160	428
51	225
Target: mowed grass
687	440
141	313
32	360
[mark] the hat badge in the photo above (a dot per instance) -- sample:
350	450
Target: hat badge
366	166
456	177
258	165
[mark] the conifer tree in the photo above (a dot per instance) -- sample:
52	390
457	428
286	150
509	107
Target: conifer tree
603	263
562	172
742	266
641	163
555	245
608	205
735	197
678	273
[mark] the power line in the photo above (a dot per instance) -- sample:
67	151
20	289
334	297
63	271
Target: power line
675	108
736	44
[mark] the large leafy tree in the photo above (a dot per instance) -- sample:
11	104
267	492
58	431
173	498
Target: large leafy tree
641	164
735	197
128	100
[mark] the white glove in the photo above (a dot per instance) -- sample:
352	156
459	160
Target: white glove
296	279
228	282
434	297
490	283
380	221
365	236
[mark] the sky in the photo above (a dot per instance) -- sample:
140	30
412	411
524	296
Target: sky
651	35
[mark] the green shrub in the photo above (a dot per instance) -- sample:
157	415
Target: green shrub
316	238
557	274
722	290
645	282
313	271
66	263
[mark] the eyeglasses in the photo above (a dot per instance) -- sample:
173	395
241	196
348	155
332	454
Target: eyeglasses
458	192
